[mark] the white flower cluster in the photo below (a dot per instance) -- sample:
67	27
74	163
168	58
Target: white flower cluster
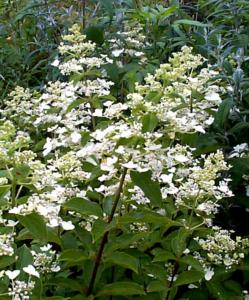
180	97
19	106
46	260
192	182
239	150
130	41
6	244
70	167
221	248
138	227
11	142
19	289
99	87
88	221
48	205
90	139
79	53
138	196
201	181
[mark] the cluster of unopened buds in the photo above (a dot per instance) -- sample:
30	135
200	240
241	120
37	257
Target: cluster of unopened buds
221	248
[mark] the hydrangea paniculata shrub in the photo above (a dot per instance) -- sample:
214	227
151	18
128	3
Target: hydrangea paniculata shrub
100	197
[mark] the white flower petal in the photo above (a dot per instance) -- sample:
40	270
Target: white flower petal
31	271
55	63
67	225
181	158
209	274
46	248
75	137
12	274
48	147
117	52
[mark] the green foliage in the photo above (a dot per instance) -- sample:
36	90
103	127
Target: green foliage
150	188
35	225
84	206
121	288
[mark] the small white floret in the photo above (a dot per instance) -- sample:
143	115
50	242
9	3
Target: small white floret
67	225
12	274
31	271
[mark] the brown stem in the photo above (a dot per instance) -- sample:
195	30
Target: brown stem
92	117
97	263
191	104
13	193
175	270
176	266
117	194
105	236
84	14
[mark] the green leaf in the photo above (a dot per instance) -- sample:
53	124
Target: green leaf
75	104
4	190
162	255
150	188
53	236
154	97
149	122
168	11
6	261
191	261
72	256
80	297
25	257
36	226
108	5
200	294
197	95
112	72
24	234
5	173
172	293
123	288
156	286
124	241
216	290
178	242
21	172
67	283
99	228
83	206
233	286
240	166
123	259
223	113
188	277
239	128
95	34
147	217
191	23
55	298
